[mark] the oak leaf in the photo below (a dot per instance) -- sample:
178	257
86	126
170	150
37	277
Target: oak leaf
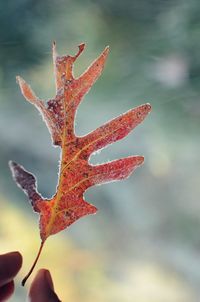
76	174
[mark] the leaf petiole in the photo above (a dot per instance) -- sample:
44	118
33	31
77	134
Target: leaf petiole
34	264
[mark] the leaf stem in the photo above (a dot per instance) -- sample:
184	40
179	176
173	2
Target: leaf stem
34	264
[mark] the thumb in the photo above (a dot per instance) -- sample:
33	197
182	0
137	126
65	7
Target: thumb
42	289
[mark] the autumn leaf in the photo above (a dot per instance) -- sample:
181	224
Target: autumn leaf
76	173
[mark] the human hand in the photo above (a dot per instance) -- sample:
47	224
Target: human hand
41	289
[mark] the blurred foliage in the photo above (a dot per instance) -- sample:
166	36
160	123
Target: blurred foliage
78	276
143	245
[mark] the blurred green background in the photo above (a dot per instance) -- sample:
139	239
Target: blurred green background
144	243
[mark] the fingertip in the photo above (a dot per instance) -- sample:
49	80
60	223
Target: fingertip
16	256
10	264
48	278
42	288
6	291
43	276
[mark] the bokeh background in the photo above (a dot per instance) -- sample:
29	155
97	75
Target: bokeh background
144	243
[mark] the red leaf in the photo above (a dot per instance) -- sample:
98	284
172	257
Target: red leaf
76	174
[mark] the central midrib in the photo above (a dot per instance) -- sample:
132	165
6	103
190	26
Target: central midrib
65	166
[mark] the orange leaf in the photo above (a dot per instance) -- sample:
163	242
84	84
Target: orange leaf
76	174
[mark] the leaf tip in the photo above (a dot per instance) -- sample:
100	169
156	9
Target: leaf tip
81	47
12	165
147	107
142	111
19	80
26	89
107	48
106	51
139	160
93	209
54	50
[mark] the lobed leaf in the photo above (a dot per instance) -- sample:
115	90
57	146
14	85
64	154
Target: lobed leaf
76	174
